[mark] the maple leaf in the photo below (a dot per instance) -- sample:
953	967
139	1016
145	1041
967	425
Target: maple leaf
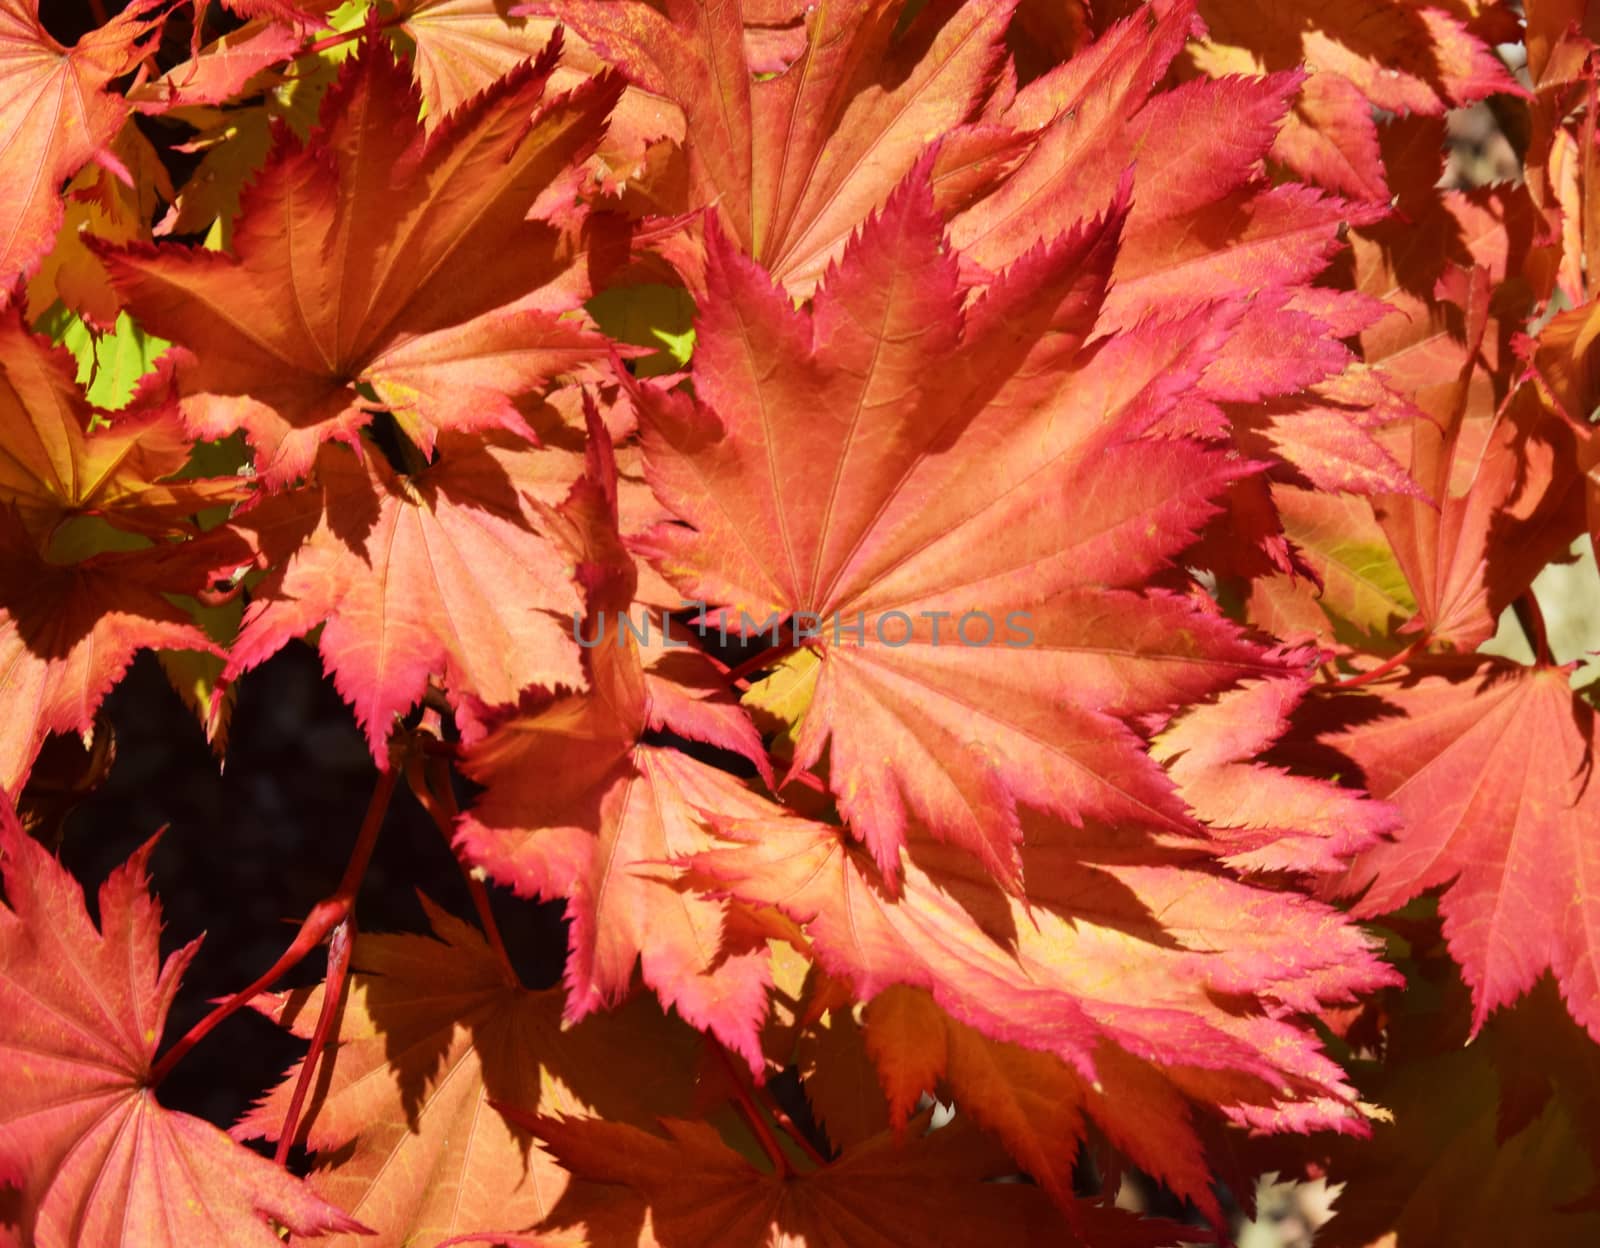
577	805
385	271
1032	1101
221	70
103	203
1037	1105
841	1083
885	455
936	1189
56	116
462	46
69	631
1332	437
791	162
1365	55
1424	341
433	1035
1360	595
1119	964
447	572
1500	502
1205	222
1488	763
55	463
1475	1154
1566	360
96	1159
1205	225
1496	478
1275	821
1559	151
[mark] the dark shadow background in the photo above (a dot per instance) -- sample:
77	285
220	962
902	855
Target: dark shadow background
252	845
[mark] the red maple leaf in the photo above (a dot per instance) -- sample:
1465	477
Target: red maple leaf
891	463
460	47
55	117
579	806
1125	962
600	829
446	572
221	70
791	162
1205	224
115	203
1275	821
96	1159
1500	502
1421	340
1364	55
382	270
1034	1102
1490	765
1565	363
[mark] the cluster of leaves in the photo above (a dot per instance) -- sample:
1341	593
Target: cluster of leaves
812	340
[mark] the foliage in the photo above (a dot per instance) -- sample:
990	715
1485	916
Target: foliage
957	537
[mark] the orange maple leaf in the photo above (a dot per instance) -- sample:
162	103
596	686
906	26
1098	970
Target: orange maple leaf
379	269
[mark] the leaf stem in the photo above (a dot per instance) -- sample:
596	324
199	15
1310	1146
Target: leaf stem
429	778
723	670
339	944
345	36
1531	617
324	917
757	661
752	1114
791	1128
1383	669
